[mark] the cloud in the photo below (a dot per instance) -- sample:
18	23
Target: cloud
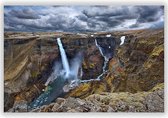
148	14
24	14
82	18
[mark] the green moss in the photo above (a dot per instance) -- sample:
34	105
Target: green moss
34	74
84	65
92	65
157	50
101	88
142	41
80	91
157	87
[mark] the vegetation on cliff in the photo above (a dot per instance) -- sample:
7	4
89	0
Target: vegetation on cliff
133	81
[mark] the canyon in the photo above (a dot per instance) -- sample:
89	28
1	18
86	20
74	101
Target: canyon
120	71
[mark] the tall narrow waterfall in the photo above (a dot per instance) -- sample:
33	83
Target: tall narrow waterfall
64	58
63	78
105	58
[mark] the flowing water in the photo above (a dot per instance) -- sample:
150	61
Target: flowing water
65	77
64	58
59	82
106	60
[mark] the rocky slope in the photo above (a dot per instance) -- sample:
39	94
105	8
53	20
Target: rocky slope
133	69
151	101
138	65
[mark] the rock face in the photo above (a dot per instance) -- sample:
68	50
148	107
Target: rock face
133	69
151	101
93	60
27	67
143	58
138	65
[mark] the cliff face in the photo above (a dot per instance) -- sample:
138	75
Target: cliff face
143	58
27	67
133	69
138	65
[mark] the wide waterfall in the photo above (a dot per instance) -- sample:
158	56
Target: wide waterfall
64	58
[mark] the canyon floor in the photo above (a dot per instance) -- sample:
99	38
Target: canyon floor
132	79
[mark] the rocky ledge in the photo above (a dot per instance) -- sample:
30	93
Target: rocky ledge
150	101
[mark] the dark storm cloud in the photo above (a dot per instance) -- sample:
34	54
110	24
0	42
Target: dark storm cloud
148	14
17	24
105	11
110	17
60	22
82	18
24	14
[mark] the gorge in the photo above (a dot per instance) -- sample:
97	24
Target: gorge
99	70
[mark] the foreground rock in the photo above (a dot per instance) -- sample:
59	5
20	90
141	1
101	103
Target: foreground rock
151	101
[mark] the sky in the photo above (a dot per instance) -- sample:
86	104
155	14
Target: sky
82	18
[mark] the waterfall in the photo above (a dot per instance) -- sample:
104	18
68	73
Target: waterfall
104	65
63	78
105	58
64	58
